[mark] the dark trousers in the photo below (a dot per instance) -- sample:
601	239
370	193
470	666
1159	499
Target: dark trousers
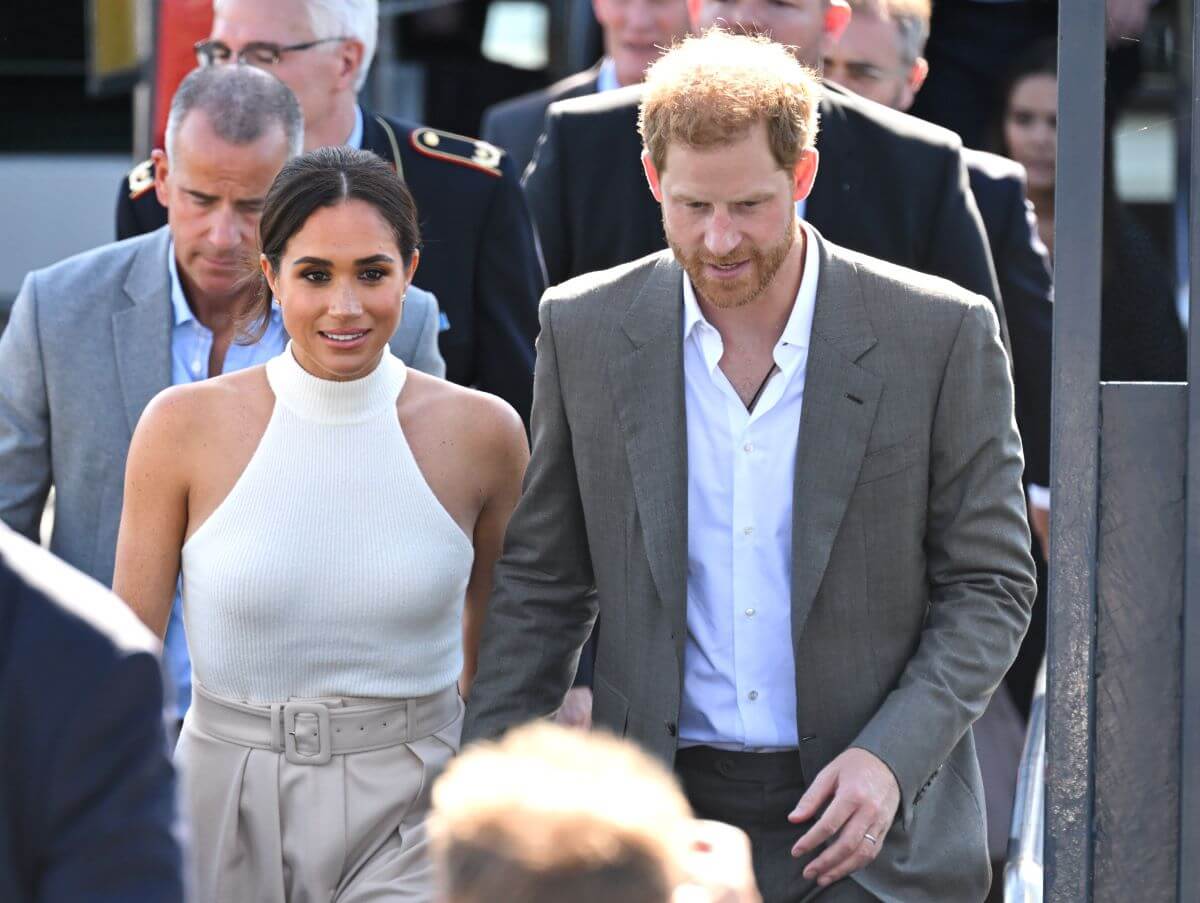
755	792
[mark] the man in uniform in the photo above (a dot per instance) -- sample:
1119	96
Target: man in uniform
478	256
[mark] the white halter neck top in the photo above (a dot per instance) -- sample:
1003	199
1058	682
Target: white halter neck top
331	568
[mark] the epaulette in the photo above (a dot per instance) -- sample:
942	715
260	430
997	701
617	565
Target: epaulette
141	179
458	149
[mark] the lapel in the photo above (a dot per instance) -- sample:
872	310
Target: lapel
840	400
832	202
647	381
142	330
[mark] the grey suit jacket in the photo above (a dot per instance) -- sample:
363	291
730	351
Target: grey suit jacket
516	124
911	581
86	348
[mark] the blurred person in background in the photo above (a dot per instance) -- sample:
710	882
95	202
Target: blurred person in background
1141	336
972	43
87	795
880	57
333	518
551	815
635	32
481	258
92	339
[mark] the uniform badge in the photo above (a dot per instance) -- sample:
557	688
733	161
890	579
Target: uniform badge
470	152
141	179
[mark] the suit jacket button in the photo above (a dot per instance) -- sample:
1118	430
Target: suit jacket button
671	728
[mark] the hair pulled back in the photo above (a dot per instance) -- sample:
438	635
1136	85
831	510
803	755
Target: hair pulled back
324	178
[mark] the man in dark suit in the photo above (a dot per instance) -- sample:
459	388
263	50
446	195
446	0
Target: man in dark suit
889	185
479	255
87	799
635	32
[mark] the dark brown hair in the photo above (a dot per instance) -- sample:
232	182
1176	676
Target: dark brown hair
324	178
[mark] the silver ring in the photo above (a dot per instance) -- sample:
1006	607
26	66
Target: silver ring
870	838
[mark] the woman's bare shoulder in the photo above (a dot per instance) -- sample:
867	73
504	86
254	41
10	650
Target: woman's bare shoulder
194	410
488	423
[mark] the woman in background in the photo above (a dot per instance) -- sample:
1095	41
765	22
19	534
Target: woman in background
336	518
1141	336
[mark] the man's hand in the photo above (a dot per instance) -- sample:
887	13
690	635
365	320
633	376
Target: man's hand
718	866
863	797
576	709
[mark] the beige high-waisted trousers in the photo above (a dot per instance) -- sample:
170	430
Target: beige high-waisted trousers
313	800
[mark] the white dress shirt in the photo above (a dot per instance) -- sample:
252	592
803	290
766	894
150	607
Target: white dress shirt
739	688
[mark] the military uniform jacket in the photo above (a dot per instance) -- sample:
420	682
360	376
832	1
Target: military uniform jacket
479	255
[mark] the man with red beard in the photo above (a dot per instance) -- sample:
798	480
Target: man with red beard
789	476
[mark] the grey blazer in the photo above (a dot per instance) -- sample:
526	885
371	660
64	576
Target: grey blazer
911	581
86	348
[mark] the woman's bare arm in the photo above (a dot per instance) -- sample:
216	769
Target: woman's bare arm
155	513
505	454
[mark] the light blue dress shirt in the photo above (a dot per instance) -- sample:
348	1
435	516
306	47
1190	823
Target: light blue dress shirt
191	344
606	78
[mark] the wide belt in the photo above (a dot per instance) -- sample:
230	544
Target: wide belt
311	731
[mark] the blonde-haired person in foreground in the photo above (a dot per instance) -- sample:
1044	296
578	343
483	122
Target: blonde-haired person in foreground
789	476
551	815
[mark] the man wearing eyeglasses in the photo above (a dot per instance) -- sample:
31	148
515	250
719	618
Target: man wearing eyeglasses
479	255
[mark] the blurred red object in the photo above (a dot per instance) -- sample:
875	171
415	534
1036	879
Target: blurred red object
181	23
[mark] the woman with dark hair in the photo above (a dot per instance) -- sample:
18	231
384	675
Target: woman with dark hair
1141	336
335	518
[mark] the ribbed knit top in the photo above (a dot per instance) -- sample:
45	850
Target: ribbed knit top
331	568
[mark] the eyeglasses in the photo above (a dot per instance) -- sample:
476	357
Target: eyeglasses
256	53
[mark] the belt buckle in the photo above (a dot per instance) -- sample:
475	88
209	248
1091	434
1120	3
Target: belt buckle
324	739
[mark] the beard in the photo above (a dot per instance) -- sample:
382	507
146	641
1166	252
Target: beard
729	294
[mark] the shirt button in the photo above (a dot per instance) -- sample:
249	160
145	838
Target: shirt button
753	694
748	447
747	530
749	612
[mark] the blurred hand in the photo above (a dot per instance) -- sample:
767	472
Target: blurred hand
1127	19
1039	523
862	796
576	709
718	866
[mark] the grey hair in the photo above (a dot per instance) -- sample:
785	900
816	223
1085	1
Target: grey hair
241	103
358	19
910	16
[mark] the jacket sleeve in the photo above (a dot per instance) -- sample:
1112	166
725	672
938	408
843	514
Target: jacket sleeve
107	824
24	417
543	605
425	354
981	576
958	246
544	191
1023	269
509	280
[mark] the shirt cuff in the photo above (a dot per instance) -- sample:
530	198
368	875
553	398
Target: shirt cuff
1039	496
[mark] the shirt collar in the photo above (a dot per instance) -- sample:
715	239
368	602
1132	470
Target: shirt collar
356	134
183	312
179	305
606	78
798	330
